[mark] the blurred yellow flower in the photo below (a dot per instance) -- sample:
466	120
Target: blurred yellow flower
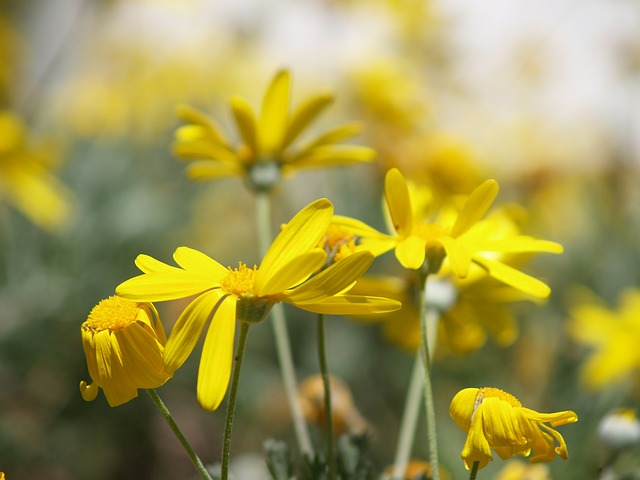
613	335
463	237
25	178
123	342
516	470
247	294
266	147
496	419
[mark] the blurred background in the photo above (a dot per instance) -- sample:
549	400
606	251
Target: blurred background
543	96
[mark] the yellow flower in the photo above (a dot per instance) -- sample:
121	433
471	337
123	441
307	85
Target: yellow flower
613	335
25	178
495	419
463	237
266	148
123	342
247	294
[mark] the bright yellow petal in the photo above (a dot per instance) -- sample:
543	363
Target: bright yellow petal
304	115
331	155
351	305
299	236
475	207
399	202
197	262
332	280
275	113
149	264
187	329
335	135
193	115
293	273
410	252
459	257
476	447
141	357
206	170
217	356
203	149
165	285
246	122
519	244
513	277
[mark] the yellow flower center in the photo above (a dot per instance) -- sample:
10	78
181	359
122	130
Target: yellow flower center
113	313
338	243
239	281
487	392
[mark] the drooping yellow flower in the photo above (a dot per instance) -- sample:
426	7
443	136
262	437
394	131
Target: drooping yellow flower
612	334
247	294
463	237
123	342
25	178
266	148
494	419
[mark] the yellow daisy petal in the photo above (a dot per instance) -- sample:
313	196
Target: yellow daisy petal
193	115
164	285
197	262
397	195
410	252
332	136
459	257
206	170
293	273
246	122
475	207
187	329
351	305
217	356
304	114
275	113
513	277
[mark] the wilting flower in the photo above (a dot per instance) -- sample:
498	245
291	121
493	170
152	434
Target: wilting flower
267	142
26	181
495	419
462	237
123	342
247	294
613	335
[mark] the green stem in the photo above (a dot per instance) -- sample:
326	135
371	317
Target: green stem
428	391
278	322
324	371
474	471
233	393
178	433
409	419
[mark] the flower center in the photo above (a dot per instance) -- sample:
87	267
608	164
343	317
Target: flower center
113	313
239	281
496	392
338	243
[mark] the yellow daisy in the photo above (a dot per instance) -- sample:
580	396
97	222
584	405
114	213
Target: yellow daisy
494	419
462	237
26	181
247	294
613	334
123	342
266	148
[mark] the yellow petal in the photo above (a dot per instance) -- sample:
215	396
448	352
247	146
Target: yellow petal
399	202
459	257
332	280
519	244
207	170
246	122
187	329
410	252
193	115
351	305
475	207
88	392
513	277
197	262
334	135
165	285
304	115
149	264
217	356
275	113
462	407
141	357
476	447
294	272
299	236
331	155
205	149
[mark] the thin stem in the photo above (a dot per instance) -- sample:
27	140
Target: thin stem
263	219
233	393
409	419
428	391
324	371
178	433
474	471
